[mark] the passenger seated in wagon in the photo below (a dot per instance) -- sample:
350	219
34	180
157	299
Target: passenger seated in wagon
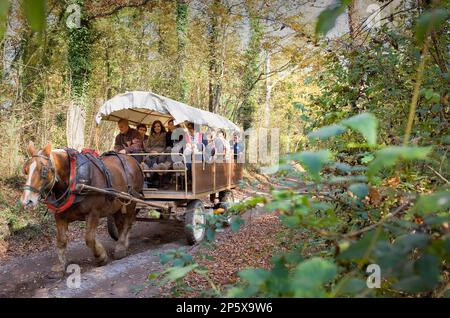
156	143
166	162
210	149
196	141
128	140
222	147
142	130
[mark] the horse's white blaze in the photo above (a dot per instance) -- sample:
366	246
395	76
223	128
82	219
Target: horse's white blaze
27	193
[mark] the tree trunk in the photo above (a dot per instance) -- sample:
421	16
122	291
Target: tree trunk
215	86
182	23
12	51
268	91
252	71
79	61
353	30
75	127
352	20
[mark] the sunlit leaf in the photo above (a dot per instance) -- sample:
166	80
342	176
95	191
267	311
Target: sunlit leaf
311	275
175	273
389	156
367	158
366	124
327	132
361	190
254	276
362	248
327	17
313	162
236	223
350	286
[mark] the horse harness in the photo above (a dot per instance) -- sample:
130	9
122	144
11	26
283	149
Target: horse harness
80	167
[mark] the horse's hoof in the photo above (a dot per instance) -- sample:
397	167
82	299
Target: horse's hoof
101	261
57	272
119	254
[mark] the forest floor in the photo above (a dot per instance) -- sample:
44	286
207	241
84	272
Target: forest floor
26	259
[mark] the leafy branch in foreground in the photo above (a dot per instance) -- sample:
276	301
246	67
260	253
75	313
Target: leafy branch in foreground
411	245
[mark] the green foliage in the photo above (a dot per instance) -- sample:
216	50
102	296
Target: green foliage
366	124
430	21
389	156
251	72
241	207
177	258
35	10
313	161
311	275
181	26
327	18
378	78
4	6
433	203
411	258
177	272
361	190
362	249
79	59
327	132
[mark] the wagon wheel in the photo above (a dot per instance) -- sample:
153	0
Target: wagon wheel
195	222
112	228
226	199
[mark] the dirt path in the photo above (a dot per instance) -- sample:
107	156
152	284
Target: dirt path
29	276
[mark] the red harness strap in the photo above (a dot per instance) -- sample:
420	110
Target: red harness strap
91	151
67	203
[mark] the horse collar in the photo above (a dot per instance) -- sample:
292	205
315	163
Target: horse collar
58	205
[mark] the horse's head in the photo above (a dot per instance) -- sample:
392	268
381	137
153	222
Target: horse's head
41	176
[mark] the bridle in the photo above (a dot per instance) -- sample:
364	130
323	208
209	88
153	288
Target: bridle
46	189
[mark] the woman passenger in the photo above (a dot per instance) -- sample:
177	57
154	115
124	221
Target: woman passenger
156	143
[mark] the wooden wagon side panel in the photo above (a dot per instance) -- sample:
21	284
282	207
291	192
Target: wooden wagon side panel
223	174
204	180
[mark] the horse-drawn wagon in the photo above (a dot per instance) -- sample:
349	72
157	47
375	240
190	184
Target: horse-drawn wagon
83	186
198	186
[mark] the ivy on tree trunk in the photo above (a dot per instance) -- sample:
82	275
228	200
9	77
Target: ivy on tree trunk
252	61
182	24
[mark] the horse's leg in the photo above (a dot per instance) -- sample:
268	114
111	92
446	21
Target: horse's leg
61	244
130	217
127	218
101	257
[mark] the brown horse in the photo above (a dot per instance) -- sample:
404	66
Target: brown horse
48	173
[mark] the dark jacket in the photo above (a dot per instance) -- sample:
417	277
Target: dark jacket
169	141
131	142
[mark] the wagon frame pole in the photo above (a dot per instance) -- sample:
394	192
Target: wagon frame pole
121	195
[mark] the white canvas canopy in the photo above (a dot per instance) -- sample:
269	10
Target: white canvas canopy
146	107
